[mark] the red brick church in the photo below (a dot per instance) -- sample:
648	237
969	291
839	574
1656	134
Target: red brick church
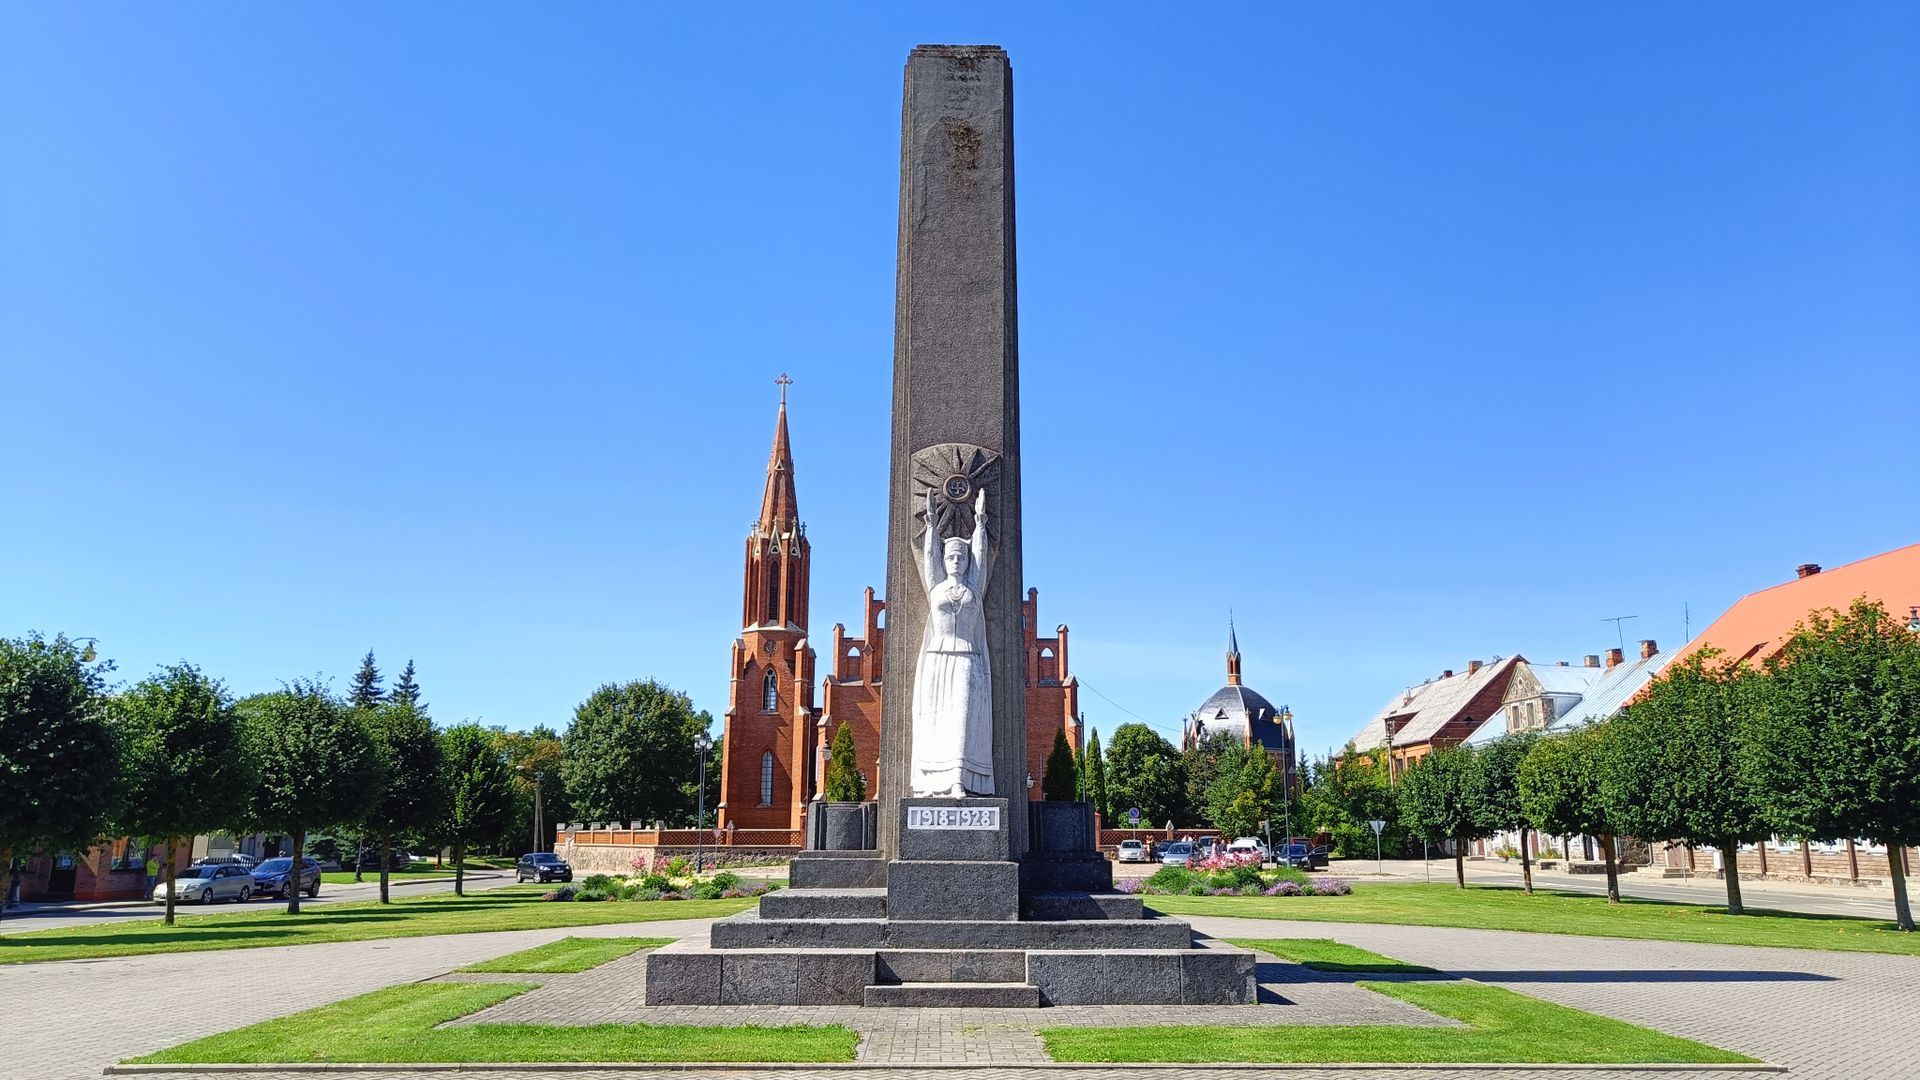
775	742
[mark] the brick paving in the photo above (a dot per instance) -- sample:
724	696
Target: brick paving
1822	1014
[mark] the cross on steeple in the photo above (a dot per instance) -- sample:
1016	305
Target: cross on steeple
784	382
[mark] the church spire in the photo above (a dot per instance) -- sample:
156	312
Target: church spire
780	506
1233	654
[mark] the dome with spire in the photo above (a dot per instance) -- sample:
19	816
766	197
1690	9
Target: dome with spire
1241	710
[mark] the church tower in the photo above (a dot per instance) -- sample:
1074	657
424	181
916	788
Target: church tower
766	750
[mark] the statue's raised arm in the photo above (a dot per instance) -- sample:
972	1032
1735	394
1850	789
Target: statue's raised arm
931	573
982	549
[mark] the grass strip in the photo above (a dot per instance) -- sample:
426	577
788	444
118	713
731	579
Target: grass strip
1502	1026
400	1025
568	955
1546	912
510	908
1326	954
372	877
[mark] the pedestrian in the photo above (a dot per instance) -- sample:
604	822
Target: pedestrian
153	873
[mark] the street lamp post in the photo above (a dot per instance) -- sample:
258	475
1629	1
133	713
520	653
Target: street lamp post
702	743
539	831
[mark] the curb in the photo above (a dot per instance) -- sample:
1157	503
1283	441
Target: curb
944	1066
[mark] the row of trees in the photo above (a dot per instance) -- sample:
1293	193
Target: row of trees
1820	742
1221	782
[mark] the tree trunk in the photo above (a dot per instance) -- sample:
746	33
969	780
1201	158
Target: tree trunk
360	857
166	875
1897	877
1526	859
1734	906
385	846
1460	862
6	875
459	869
296	871
1613	869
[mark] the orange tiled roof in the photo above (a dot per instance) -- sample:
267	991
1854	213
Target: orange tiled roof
1760	623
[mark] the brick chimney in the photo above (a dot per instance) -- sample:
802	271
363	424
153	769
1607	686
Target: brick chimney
1807	569
1447	674
1473	666
1614	659
1648	647
1590	660
1559	663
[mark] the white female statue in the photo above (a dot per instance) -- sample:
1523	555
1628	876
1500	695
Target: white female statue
952	688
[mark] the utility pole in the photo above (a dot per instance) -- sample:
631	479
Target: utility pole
539	830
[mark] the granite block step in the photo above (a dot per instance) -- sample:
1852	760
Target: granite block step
749	930
837	870
824	904
953	995
1080	905
950	965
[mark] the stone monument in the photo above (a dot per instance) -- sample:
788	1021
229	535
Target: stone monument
954	889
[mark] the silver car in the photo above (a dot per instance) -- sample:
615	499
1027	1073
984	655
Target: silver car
205	884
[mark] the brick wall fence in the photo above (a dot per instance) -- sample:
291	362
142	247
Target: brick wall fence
609	848
1852	864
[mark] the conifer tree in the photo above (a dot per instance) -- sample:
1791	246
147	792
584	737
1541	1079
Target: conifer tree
1096	776
405	690
366	691
844	782
1057	782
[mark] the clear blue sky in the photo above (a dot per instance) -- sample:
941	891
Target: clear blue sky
1412	334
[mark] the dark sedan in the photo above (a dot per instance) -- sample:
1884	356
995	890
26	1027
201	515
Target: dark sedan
542	866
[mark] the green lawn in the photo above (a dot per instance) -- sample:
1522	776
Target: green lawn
511	908
372	877
1502	1026
1545	912
568	955
400	1025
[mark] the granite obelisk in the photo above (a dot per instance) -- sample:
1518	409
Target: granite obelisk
956	393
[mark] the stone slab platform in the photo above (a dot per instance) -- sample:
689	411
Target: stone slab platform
749	930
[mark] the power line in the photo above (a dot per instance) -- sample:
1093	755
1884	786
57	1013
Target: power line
1082	680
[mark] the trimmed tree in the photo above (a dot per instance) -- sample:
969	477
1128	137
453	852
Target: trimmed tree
630	754
413	799
1439	801
844	782
479	788
1560	791
1097	778
184	767
58	755
1672	764
1143	770
1497	793
1058	782
1834	741
315	766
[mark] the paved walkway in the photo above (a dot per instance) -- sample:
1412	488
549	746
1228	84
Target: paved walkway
1841	1016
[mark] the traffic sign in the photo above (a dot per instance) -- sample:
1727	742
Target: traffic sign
1377	825
1134	813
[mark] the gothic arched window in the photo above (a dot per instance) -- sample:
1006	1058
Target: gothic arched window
770	695
766	778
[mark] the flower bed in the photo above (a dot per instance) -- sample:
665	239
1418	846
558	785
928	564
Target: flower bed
724	885
1234	878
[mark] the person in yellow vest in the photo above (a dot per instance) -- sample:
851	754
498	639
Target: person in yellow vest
153	873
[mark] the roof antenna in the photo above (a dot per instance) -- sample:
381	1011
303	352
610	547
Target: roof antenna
1617	632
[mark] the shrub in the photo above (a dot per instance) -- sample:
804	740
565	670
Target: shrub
677	866
647	894
726	879
673	894
1129	886
1331	886
564	892
1284	888
601	882
1288	873
1236	876
588	893
1169	880
1199	888
656	881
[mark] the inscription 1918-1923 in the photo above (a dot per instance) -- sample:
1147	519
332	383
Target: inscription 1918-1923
953	817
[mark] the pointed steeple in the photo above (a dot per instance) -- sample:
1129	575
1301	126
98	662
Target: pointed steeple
780	506
1233	653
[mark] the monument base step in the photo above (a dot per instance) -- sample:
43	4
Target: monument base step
861	903
950	965
1080	905
953	995
837	870
752	930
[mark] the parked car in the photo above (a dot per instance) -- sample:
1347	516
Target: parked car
1205	846
1249	845
275	877
397	859
1178	853
204	883
542	866
234	859
1297	855
1132	851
